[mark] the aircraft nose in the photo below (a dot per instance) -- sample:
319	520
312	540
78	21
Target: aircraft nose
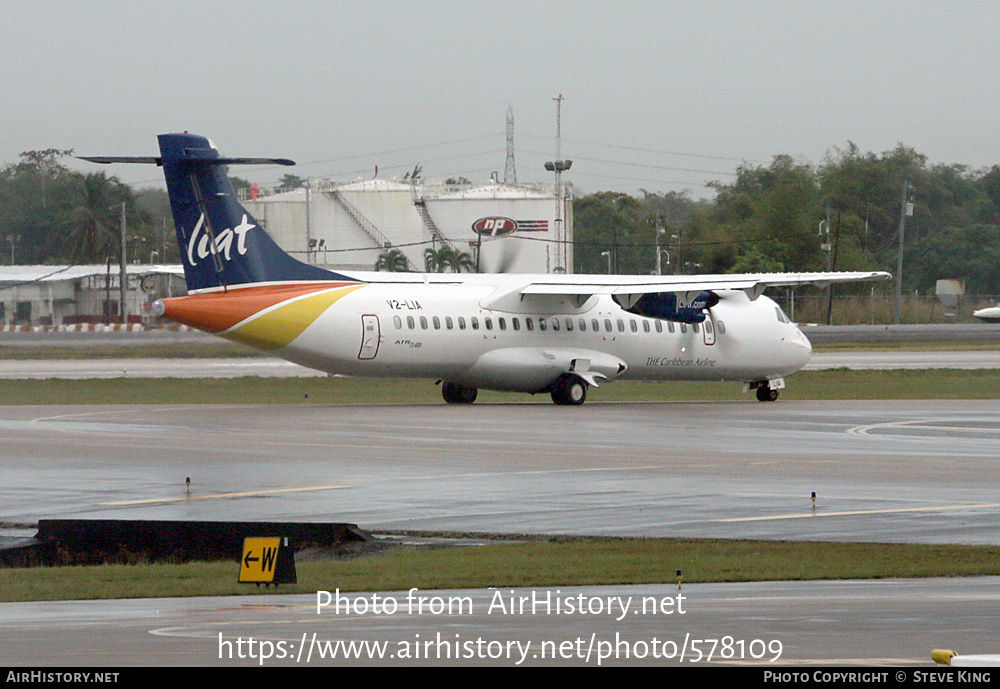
800	349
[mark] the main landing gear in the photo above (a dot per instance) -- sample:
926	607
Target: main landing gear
454	393
569	389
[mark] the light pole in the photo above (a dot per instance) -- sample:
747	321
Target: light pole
13	239
608	254
659	231
123	277
660	252
905	209
559	166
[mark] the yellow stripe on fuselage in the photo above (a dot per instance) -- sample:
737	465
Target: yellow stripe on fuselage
279	326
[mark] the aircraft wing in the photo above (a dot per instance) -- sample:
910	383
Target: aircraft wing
753	284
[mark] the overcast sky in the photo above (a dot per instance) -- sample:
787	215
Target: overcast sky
658	95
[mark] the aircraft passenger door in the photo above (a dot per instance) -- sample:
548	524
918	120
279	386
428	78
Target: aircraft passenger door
708	327
369	337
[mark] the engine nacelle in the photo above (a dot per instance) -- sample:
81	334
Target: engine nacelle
684	307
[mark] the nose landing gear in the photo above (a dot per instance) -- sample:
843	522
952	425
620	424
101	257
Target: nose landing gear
767	390
766	394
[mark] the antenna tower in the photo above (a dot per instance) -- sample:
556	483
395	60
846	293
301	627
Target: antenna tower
509	172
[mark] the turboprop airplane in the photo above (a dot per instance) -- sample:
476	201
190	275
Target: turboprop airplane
990	314
556	334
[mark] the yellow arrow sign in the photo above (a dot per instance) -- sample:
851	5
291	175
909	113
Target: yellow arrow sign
260	557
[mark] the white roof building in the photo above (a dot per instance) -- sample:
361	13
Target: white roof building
65	295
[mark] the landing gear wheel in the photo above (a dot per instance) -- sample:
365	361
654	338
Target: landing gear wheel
766	394
569	390
454	393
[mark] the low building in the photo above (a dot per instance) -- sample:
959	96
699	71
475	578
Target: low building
67	295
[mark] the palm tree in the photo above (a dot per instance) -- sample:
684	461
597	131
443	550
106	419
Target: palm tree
393	261
94	218
447	259
93	230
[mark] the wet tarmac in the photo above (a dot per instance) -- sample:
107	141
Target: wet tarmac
882	471
899	471
775	626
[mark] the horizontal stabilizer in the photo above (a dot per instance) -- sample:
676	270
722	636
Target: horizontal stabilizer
105	160
193	155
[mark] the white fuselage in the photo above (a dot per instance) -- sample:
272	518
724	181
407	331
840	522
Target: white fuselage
444	331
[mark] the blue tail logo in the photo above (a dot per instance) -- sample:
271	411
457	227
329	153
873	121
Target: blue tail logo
221	244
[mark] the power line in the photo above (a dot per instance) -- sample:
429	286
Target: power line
647	165
653	150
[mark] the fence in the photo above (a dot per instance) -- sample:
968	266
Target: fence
878	309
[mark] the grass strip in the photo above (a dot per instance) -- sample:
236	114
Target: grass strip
838	384
536	563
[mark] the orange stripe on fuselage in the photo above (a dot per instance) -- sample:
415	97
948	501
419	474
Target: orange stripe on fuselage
217	312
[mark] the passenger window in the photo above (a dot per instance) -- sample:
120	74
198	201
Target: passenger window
542	324
708	327
633	326
529	324
410	323
569	325
488	322
437	323
621	325
448	322
722	327
684	327
607	324
515	323
583	325
398	322
659	326
645	326
423	322
555	324
694	327
474	322
594	325
502	322
461	322
670	326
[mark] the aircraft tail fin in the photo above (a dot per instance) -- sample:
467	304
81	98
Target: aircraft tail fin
221	244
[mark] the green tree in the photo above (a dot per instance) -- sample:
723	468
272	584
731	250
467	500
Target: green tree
290	182
32	200
447	259
612	222
393	261
93	220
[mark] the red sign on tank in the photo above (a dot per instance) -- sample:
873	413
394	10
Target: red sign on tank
494	226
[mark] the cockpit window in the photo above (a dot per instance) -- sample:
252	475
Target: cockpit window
782	318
